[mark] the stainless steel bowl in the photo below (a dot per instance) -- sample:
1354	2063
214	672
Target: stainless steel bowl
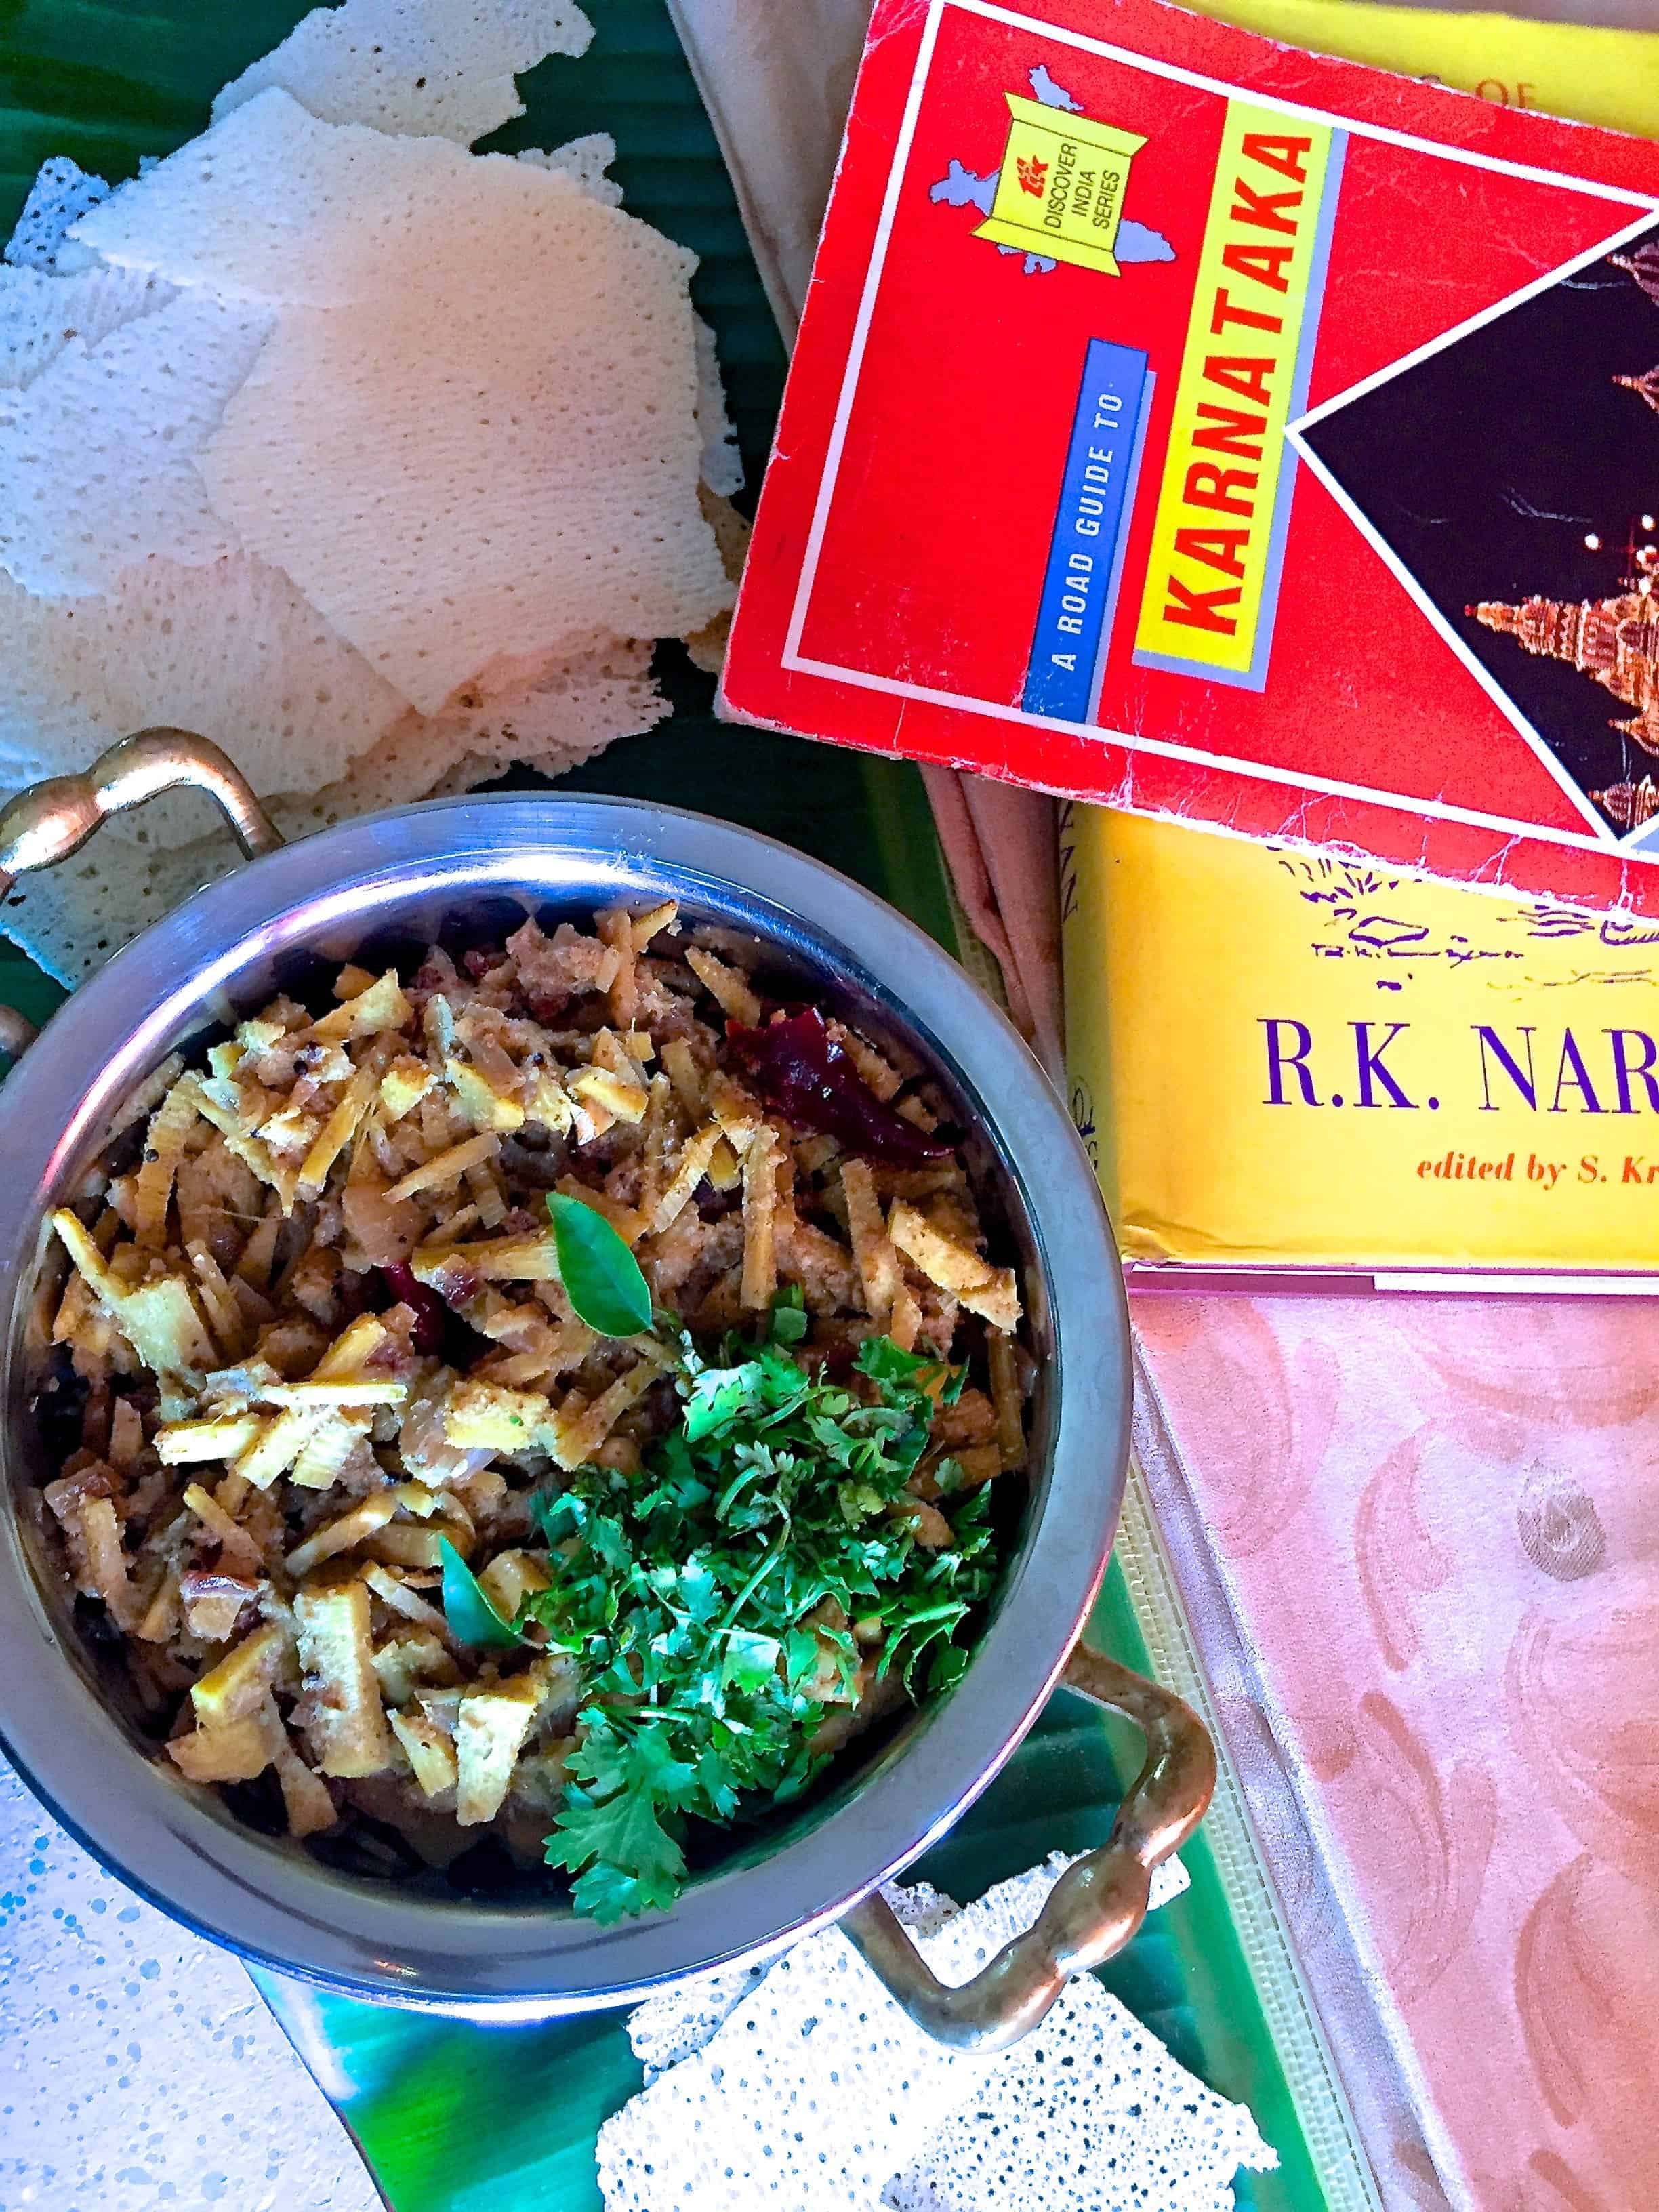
472	866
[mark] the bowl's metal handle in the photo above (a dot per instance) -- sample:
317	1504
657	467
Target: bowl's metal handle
50	820
1095	1908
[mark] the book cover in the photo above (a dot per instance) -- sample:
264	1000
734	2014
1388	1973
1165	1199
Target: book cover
1185	422
1296	1063
1587	72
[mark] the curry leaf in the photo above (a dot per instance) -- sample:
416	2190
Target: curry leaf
466	1609
601	1276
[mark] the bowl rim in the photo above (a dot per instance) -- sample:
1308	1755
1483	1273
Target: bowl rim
262	1900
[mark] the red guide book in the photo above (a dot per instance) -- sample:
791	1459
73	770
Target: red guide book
1190	423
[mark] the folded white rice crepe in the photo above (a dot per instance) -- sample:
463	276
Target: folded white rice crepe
42	312
553	714
472	427
380	463
61	194
233	650
436	68
100	455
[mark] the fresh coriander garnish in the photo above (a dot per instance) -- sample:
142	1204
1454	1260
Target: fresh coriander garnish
601	1276
762	1567
790	1322
466	1607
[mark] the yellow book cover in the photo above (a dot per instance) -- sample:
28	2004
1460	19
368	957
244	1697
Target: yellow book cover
1284	1059
1585	73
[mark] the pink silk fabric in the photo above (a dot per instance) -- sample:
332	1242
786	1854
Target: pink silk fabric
1001	845
1432	1625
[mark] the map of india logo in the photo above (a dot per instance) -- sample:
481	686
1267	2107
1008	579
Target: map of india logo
1058	193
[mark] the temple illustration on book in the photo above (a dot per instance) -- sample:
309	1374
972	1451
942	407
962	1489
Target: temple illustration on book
1629	804
1616	641
1646	386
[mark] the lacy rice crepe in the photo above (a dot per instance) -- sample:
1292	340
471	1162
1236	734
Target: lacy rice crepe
255	498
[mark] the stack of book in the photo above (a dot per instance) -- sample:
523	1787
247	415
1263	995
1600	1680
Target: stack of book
1263	447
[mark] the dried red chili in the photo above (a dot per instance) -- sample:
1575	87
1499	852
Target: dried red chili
799	1068
432	1316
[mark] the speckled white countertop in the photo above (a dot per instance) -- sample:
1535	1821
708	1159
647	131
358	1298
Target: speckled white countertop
138	2066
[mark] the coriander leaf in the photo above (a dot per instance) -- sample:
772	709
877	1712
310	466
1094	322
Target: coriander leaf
751	1659
720	1395
707	1597
632	1864
800	1654
699	1591
833	1438
714	1779
654	1766
914	1373
881	1359
605	1894
858	1501
789	1321
609	1542
614	1822
611	1761
466	1609
558	1518
601	1276
799	1771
